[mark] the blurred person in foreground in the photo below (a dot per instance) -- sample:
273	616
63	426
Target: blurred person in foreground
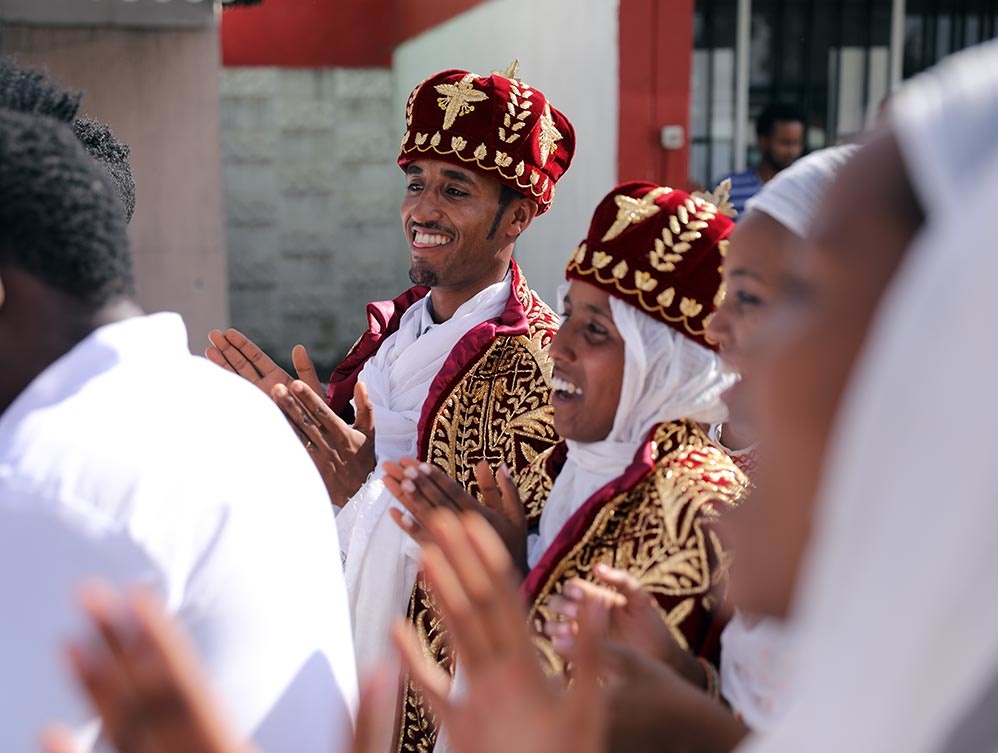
110	468
755	653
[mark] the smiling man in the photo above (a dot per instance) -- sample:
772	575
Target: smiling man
455	370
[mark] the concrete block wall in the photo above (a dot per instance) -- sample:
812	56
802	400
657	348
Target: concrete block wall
312	196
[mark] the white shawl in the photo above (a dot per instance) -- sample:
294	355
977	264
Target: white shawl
380	561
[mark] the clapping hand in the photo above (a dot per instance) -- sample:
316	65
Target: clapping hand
422	488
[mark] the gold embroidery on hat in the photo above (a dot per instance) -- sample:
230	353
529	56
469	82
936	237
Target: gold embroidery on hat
435	141
690	308
512	70
722	247
718	199
412	102
457	143
631	211
644	281
549	136
503	159
661	257
421	138
458	99
722	291
405	138
520	167
620	271
601	259
674	225
481	152
518	108
580	253
666	297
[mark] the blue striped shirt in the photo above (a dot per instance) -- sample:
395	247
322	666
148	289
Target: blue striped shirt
744	186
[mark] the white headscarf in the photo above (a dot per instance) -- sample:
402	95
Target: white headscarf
898	623
667	376
793	197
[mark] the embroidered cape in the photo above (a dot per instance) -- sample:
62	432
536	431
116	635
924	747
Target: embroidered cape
655	521
490	401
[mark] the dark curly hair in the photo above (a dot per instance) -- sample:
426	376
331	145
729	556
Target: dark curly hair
33	92
60	218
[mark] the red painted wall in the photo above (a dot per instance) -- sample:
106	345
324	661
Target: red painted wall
656	57
328	33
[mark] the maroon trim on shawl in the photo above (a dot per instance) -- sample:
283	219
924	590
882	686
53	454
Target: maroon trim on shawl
471	347
383	318
581	520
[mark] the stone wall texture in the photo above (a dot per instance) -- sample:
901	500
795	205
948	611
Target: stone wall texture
312	197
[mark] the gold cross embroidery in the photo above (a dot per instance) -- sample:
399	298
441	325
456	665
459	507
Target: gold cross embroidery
457	99
631	211
549	135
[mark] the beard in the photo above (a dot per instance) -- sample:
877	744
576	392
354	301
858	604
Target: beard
422	275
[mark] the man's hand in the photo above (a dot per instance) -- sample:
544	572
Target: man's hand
422	488
507	703
343	454
235	352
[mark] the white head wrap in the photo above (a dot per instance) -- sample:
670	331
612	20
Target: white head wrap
897	622
793	197
667	377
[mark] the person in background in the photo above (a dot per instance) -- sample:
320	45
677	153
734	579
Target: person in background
781	135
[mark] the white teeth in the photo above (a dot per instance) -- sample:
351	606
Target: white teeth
431	239
563	385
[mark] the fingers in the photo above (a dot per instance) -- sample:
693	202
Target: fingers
375	713
434	682
512	505
243	356
309	430
214	355
364	421
58	739
579	591
434	486
144	677
399	481
464	587
585	698
623	581
409	524
305	369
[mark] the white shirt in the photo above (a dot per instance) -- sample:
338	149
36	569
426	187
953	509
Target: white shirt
130	460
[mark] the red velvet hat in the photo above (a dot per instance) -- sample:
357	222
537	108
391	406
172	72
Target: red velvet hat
496	125
659	250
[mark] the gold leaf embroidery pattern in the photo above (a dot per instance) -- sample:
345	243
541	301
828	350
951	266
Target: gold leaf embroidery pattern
620	271
457	143
503	159
499	412
517	111
690	308
631	211
548	138
601	259
660	531
458	99
644	281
